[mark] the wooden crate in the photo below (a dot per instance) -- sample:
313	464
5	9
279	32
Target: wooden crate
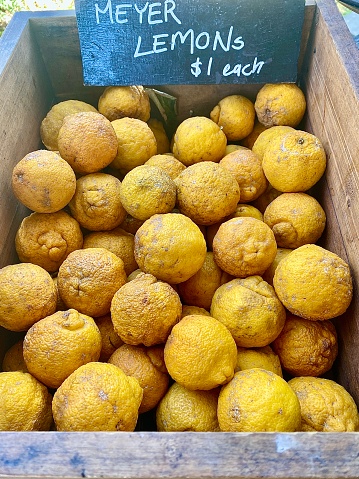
40	64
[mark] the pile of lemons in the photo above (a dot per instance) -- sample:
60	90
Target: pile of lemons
179	277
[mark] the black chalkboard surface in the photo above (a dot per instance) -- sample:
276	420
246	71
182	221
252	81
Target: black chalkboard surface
126	42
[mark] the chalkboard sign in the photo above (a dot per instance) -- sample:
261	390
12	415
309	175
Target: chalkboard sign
126	42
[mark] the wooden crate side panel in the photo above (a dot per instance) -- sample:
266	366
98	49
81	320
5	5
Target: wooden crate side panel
59	45
179	455
331	83
24	100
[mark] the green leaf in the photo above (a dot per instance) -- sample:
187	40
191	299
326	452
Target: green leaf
166	109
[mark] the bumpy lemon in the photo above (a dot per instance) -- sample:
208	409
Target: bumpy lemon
199	289
257	400
250	139
184	410
121	101
263	357
146	364
14	358
96	204
314	283
306	348
326	406
89	278
87	141
144	310
269	273
250	309
168	163
163	143
57	345
207	192
294	162
25	403
170	246
51	124
27	294
147	190
247	169
43	181
198	139
244	246
295	219
97	397
118	241
200	353
136	143
280	104
265	137
46	239
235	114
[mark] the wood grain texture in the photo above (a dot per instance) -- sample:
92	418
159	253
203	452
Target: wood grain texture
40	63
24	99
179	455
331	83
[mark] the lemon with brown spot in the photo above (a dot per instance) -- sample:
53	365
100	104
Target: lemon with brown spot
97	397
294	162
170	246
280	104
244	246
306	348
257	400
250	309
326	406
43	181
25	403
314	283
207	192
144	310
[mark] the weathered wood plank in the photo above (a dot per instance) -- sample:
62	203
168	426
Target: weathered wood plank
331	84
179	455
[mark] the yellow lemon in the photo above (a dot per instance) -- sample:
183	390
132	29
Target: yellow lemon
257	400
250	309
314	283
198	139
184	410
326	406
200	353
